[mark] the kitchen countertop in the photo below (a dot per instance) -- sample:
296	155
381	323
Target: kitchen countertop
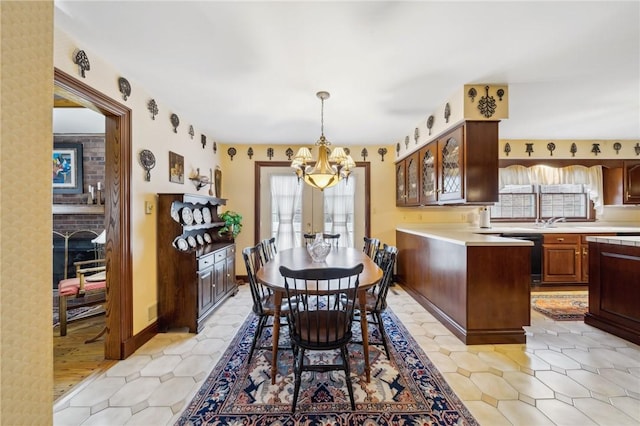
467	235
622	241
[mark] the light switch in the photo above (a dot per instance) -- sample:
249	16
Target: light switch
148	207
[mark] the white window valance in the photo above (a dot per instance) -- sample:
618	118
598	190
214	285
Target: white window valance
590	177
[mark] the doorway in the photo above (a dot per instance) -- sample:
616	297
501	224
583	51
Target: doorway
316	211
119	309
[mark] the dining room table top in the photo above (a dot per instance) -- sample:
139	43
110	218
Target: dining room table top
298	258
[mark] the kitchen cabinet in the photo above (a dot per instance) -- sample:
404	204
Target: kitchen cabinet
459	167
631	182
195	266
407	181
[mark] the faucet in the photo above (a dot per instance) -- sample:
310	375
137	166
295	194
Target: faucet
551	222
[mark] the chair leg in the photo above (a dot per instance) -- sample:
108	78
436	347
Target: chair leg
256	337
347	372
297	369
383	334
62	314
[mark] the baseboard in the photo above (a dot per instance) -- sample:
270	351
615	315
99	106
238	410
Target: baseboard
135	342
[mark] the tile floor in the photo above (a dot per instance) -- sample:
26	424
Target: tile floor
567	373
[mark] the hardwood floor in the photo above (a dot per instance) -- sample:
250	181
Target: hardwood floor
75	361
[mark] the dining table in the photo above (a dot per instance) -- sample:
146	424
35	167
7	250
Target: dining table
298	258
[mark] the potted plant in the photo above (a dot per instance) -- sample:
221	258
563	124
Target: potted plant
232	223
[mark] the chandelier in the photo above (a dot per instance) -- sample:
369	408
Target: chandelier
330	168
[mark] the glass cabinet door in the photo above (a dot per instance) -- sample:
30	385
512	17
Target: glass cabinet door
451	166
429	174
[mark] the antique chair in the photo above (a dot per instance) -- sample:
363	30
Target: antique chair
86	289
376	301
331	238
269	249
263	297
371	246
316	322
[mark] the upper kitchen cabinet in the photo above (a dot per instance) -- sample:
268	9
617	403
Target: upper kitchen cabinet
407	181
460	167
631	185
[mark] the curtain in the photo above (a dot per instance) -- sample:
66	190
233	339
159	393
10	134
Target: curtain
590	177
285	193
339	206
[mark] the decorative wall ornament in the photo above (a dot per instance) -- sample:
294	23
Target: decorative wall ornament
152	106
398	148
289	153
573	149
529	148
472	93
192	133
125	87
551	147
416	135
364	153
270	153
232	151
175	122
617	146
215	147
250	153
430	123
447	112
382	152
507	149
487	105
500	94
595	148
406	141
203	140
148	162
637	148
81	59
347	151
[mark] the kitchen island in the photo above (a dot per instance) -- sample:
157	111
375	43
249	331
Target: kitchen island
614	286
478	286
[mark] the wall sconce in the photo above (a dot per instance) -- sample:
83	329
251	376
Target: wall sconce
200	181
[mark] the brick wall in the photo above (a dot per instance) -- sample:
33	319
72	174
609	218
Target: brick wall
93	172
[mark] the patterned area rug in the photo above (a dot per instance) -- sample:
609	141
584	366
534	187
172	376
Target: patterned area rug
74	313
408	390
561	307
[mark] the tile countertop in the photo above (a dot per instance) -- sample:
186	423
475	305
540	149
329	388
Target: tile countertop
467	235
621	241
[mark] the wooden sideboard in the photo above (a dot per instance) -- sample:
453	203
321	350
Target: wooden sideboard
195	274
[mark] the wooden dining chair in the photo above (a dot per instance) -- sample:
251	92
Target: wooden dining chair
269	249
371	247
334	239
316	322
376	301
263	297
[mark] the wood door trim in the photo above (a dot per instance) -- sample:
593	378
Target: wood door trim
119	316
256	201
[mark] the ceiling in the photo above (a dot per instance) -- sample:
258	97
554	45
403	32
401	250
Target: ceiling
248	72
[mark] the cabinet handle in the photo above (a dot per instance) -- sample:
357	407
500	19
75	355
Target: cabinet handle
559	239
585	252
577	253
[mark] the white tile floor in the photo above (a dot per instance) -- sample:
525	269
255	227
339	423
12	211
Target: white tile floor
567	373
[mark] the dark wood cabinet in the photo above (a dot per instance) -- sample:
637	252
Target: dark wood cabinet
561	254
196	266
631	182
459	167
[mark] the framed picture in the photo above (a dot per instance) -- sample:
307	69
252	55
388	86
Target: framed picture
176	167
67	168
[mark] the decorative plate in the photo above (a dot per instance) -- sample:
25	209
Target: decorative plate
206	214
181	243
192	241
199	239
174	213
187	216
207	237
197	216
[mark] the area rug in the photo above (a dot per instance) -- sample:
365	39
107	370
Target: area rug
74	313
408	390
561	306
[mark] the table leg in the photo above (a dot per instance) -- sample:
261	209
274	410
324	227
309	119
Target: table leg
362	300
276	335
